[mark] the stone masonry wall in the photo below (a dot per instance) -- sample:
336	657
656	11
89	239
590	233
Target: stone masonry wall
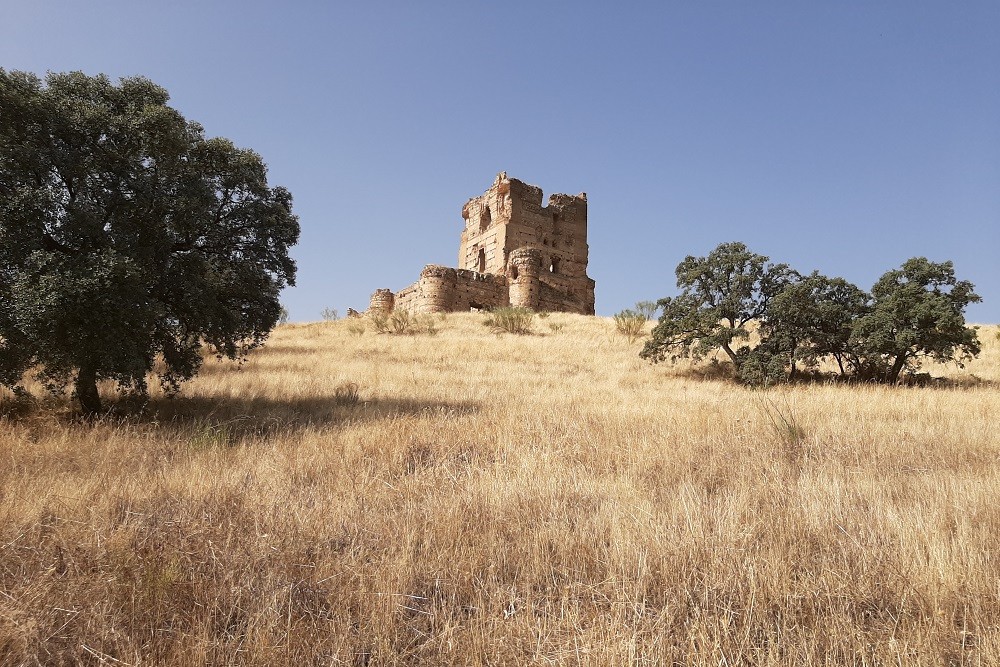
513	250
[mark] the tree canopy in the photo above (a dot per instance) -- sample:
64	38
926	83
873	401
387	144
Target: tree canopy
720	295
127	237
917	311
771	320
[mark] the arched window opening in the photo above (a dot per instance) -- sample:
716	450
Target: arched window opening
485	218
482	260
513	272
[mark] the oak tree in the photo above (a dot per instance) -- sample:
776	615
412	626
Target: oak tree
917	311
129	240
721	294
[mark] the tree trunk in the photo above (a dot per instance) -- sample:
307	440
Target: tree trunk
897	366
86	390
732	355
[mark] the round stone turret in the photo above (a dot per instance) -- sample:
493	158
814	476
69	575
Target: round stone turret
437	288
382	301
525	267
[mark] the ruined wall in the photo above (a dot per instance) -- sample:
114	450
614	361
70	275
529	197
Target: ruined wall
483	241
443	289
382	301
513	250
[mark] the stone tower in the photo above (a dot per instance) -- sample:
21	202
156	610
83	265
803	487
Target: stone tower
513	251
510	216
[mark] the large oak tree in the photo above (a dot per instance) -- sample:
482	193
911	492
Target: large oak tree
721	295
127	238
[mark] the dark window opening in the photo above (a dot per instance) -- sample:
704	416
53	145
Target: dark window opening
513	272
554	266
482	260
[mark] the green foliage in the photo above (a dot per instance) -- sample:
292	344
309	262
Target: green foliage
917	311
720	295
912	313
630	324
762	366
511	320
811	319
127	236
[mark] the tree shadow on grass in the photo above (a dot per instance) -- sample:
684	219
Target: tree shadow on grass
238	419
227	420
724	371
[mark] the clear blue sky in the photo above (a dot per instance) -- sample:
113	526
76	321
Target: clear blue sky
841	136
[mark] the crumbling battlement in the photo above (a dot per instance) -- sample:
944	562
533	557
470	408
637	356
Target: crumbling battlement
513	251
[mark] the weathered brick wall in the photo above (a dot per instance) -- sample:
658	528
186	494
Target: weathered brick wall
408	298
382	301
513	250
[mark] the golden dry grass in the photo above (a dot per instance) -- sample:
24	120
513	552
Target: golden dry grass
548	499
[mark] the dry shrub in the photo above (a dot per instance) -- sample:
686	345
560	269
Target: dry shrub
510	320
403	322
630	324
346	393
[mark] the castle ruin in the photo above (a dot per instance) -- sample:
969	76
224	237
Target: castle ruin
514	252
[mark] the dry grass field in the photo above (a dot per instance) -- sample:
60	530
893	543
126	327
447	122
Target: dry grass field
504	500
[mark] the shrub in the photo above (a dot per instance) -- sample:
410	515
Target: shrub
512	320
425	324
761	366
381	322
647	309
556	327
346	394
356	326
630	324
329	314
401	322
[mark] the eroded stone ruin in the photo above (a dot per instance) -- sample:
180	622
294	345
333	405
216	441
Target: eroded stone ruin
514	251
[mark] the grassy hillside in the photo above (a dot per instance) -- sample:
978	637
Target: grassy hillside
548	499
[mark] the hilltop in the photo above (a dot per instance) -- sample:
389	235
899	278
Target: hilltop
466	498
